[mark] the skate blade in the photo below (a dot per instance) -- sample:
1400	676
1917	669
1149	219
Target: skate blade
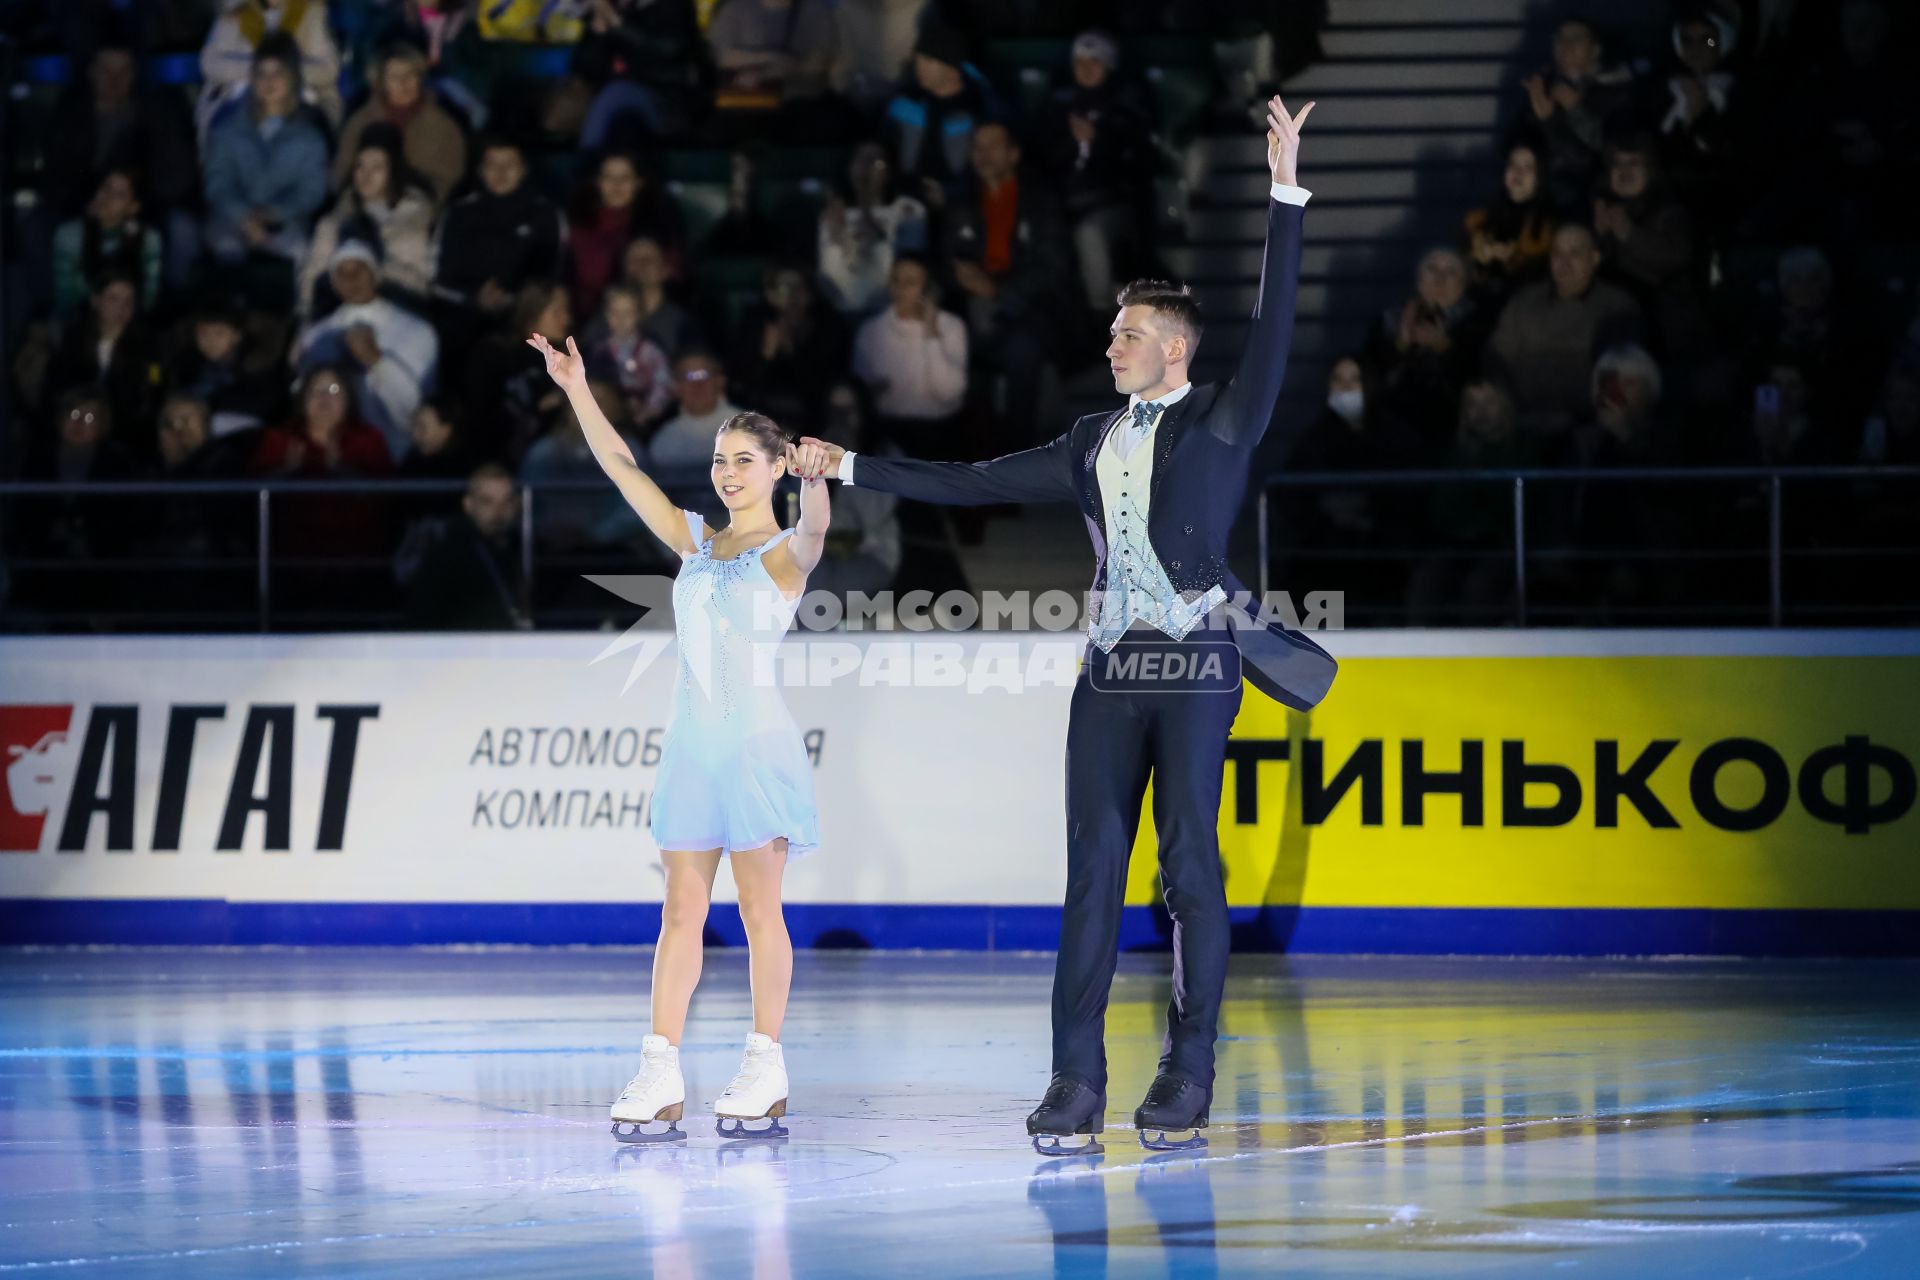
637	1133
1157	1140
1051	1144
734	1128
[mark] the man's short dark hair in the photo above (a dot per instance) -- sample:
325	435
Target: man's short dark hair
1173	305
489	471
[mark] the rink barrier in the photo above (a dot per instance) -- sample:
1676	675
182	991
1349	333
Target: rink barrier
1585	932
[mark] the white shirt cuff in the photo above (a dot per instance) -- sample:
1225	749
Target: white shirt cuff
845	473
1290	195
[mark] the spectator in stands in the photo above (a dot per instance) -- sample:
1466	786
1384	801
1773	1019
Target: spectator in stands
471	579
385	206
1841	356
1549	333
1785	428
913	358
82	448
1508	241
1423	350
435	450
787	347
779	48
1696	118
1353	432
266	165
682	449
862	229
876	39
497	239
195	525
390	354
187	447
663	321
326	440
110	237
626	200
327	436
215	371
863	550
646	66
1644	233
83	444
743	231
507	393
930	122
1460	583
231	53
629	362
1646	238
1891	434
1572	102
1626	429
1009	252
433	144
107	123
112	349
1098	137
597	516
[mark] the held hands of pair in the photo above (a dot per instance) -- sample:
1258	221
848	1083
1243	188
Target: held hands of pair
1283	140
568	368
814	460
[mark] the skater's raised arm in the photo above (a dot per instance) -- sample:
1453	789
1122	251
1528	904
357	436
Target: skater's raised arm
791	561
1044	474
648	500
1245	405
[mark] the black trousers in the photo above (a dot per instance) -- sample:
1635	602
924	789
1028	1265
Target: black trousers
1129	722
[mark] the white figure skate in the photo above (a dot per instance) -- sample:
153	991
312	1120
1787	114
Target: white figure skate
759	1092
658	1095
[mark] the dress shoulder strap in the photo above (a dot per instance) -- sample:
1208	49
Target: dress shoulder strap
697	526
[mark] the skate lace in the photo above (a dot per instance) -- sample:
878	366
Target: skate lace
652	1067
751	1069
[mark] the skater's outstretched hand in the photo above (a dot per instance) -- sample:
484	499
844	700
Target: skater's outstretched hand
814	459
1283	140
567	368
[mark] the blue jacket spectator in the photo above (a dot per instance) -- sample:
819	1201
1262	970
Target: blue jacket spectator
266	166
930	122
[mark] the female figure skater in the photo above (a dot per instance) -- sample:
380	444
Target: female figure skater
734	776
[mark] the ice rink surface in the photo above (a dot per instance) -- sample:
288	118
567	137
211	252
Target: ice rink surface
424	1114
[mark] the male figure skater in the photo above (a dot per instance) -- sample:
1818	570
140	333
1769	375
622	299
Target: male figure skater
1159	482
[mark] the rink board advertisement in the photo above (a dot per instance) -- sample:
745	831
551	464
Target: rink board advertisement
1545	793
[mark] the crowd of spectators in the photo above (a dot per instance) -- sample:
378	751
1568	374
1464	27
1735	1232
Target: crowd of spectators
1699	258
321	259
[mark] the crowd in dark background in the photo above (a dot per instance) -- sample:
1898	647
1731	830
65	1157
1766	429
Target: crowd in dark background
1698	255
319	260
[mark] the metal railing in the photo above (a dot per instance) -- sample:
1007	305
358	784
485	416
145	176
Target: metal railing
1523	553
264	494
1772	480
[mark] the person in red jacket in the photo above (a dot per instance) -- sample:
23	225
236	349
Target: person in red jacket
327	440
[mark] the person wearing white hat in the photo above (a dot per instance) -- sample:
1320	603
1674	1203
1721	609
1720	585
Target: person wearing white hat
1099	140
393	352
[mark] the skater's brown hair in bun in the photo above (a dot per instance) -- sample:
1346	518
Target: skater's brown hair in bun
766	433
1173	305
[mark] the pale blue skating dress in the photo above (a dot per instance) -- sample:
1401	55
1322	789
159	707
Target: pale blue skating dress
734	773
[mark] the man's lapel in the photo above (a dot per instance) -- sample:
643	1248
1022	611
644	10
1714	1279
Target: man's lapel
1089	476
1166	434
